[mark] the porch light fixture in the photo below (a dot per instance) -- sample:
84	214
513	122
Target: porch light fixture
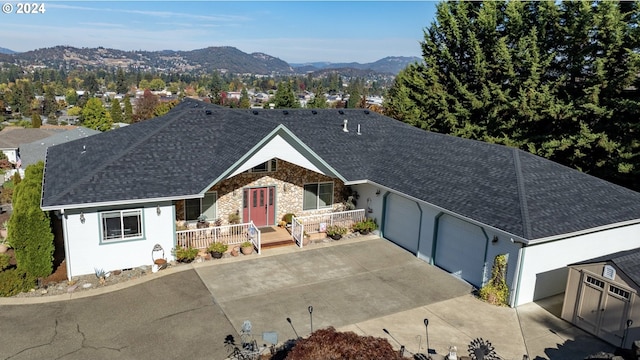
158	211
495	239
284	187
82	218
378	192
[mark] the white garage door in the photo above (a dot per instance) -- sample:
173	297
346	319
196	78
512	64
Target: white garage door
402	222
460	249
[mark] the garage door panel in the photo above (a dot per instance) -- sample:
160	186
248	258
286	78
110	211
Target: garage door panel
402	222
460	249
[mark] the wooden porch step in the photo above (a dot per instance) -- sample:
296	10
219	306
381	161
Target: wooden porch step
275	244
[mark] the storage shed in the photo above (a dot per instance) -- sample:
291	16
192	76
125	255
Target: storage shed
601	297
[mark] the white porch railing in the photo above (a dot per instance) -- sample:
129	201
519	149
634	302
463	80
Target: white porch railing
231	235
313	224
297	231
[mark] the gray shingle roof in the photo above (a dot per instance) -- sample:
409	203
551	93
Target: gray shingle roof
35	151
627	261
181	153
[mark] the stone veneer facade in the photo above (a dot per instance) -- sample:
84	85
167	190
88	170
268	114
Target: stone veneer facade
230	191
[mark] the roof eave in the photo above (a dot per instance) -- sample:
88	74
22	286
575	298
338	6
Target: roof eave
584	232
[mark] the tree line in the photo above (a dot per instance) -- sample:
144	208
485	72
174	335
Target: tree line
557	79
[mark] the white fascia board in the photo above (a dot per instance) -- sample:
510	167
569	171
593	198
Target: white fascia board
119	203
302	151
584	232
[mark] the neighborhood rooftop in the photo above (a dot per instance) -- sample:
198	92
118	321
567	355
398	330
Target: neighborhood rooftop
184	152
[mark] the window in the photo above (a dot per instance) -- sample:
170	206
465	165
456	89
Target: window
121	225
317	196
593	281
620	292
206	206
268	166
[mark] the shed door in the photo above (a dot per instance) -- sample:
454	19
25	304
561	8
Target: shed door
402	222
460	249
603	308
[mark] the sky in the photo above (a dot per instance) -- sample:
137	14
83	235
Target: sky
294	31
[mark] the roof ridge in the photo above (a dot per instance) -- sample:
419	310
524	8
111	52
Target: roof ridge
115	157
524	207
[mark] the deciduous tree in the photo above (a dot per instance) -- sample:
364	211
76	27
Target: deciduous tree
94	116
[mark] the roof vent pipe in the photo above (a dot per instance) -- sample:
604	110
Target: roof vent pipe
344	125
359	133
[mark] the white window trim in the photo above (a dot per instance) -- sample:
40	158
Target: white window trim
122	238
318	207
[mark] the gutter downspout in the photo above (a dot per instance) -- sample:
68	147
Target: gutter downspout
67	254
518	276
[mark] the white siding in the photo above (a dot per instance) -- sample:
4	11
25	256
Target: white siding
85	253
544	271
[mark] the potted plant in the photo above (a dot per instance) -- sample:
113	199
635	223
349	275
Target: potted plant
185	254
365	226
202	222
217	249
336	232
234	218
246	247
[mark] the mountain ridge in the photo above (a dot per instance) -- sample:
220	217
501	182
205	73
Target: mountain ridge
205	60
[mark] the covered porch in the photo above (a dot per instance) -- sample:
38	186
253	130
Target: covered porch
268	236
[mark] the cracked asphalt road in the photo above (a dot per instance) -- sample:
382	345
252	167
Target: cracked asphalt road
173	317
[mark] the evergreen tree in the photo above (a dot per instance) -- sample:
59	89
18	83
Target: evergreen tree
558	79
116	111
49	106
128	110
29	227
121	82
318	101
284	97
36	120
94	115
245	102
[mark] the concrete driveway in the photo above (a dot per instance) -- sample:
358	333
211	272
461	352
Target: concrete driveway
354	285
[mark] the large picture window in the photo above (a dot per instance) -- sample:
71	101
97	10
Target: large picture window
205	206
121	225
317	196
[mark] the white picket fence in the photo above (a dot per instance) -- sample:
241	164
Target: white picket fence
231	235
312	224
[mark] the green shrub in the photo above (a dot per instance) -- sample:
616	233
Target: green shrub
15	281
30	234
185	254
496	290
366	225
4	261
287	217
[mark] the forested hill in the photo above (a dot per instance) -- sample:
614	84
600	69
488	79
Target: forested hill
200	61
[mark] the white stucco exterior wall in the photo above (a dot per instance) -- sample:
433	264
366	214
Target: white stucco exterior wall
85	252
544	271
430	214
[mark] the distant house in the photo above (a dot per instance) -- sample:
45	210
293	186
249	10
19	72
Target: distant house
31	153
12	137
454	203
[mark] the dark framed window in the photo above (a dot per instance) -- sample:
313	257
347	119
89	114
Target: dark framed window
317	196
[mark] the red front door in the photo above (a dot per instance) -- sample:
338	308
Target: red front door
258	206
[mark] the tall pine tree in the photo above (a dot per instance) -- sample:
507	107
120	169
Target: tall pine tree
558	79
